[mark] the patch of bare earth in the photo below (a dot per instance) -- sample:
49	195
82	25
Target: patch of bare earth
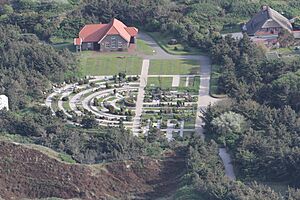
28	173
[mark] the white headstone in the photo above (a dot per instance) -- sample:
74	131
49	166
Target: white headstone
3	102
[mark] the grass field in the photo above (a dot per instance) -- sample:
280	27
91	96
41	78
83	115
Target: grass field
178	49
174	67
96	63
163	82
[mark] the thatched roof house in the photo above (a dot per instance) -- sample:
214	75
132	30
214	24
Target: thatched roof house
267	22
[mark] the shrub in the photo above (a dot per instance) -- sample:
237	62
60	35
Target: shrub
65	99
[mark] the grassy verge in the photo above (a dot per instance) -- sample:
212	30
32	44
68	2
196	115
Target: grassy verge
144	48
96	63
174	67
66	105
60	44
177	49
163	82
231	29
215	75
189	124
182	82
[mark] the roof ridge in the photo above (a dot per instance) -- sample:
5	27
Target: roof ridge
112	24
275	15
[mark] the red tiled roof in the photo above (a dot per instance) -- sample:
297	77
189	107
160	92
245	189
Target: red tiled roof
93	32
132	31
77	41
97	32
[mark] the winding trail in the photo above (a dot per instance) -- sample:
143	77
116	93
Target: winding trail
227	163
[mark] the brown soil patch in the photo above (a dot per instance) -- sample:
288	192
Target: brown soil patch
28	173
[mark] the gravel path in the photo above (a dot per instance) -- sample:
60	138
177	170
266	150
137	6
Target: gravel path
227	163
140	97
175	81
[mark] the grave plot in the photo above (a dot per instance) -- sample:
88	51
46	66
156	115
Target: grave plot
168	108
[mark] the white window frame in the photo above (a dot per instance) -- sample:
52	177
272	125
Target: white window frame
120	45
114	42
89	45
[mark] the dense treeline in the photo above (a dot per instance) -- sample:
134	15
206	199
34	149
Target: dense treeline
192	22
260	124
96	145
247	74
27	65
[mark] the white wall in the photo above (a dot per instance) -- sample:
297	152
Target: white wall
297	34
3	102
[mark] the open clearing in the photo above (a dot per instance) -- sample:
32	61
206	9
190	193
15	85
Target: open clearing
176	49
97	64
174	67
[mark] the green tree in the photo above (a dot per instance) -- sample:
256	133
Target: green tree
229	126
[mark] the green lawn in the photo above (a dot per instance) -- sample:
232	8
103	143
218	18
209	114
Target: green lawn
163	82
189	124
66	105
193	86
174	67
163	39
182	82
59	43
231	29
144	48
96	63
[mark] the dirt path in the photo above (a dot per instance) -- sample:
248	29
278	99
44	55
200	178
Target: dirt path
227	163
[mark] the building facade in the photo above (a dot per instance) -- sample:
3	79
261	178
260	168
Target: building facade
114	36
267	23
